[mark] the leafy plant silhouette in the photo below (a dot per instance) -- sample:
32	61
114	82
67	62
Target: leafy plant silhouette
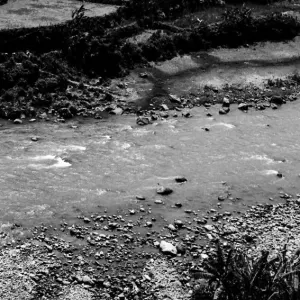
233	275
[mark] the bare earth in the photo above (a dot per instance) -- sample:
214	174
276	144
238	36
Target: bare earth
33	13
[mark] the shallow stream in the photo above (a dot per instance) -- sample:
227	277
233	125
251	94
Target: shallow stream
107	163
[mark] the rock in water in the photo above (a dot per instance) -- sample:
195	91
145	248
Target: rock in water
164	107
243	106
175	99
277	100
224	110
18	121
167	248
164	190
226	102
65	113
143	121
180	179
144	75
117	111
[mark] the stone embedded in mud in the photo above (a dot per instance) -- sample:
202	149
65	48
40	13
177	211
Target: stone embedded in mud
143	121
139	197
164	190
34	138
243	106
178	204
167	248
224	110
18	121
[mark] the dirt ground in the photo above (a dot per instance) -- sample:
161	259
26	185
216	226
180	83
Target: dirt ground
33	13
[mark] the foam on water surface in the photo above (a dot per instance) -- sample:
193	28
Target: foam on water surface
60	163
227	125
263	157
270	172
74	148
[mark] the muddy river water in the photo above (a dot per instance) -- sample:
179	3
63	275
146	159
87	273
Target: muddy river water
108	162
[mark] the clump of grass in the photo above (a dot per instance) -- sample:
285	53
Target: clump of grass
233	275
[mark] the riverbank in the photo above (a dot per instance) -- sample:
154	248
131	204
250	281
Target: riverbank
89	100
119	256
66	70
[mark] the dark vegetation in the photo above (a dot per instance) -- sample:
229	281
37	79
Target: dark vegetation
232	275
36	62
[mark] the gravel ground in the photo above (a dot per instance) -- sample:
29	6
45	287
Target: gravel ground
165	279
15	271
266	227
54	271
76	293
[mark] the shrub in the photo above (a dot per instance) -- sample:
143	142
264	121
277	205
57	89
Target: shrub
236	276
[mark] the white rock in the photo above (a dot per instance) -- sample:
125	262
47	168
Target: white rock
167	248
209	227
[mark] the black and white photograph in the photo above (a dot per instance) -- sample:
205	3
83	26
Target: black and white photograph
149	150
